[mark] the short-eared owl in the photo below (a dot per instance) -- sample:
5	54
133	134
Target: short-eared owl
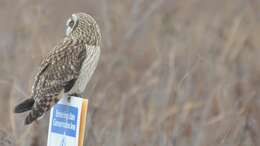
67	68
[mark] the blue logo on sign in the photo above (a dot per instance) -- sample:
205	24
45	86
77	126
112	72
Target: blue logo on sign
64	120
63	143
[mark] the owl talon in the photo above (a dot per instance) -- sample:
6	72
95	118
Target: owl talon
69	98
75	94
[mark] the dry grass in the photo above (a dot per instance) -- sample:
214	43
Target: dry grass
172	72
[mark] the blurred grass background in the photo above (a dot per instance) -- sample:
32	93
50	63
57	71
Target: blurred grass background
172	72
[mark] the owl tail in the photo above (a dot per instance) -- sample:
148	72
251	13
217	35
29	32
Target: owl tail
34	114
24	106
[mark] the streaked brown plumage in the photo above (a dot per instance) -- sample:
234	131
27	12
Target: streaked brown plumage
67	68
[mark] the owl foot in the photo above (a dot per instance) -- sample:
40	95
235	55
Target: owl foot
75	94
69	98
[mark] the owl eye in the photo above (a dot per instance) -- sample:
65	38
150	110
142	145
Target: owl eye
71	23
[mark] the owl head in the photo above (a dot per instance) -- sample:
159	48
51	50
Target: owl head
83	27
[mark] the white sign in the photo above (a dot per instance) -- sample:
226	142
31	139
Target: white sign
67	122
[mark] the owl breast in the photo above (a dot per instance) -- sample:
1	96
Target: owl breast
87	69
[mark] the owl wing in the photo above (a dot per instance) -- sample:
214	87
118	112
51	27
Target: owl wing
58	71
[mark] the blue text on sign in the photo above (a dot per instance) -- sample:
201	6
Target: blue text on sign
64	120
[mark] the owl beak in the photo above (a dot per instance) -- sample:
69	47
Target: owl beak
67	28
68	21
68	31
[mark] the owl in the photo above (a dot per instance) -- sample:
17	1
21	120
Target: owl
66	70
